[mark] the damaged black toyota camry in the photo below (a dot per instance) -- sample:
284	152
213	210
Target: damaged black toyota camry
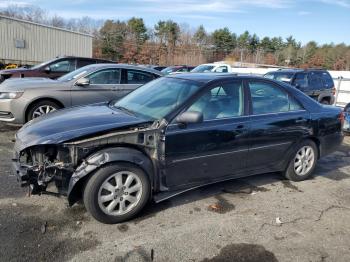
173	134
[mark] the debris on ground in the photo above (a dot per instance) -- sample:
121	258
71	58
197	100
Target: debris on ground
215	208
278	221
43	228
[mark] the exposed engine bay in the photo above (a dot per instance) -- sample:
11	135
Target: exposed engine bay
66	163
45	164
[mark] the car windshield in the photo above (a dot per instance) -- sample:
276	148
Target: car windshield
168	70
157	98
280	76
41	64
203	69
76	74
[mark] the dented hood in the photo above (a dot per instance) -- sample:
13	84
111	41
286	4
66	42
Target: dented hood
68	124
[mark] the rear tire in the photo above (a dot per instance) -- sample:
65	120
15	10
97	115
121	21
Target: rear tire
41	108
116	193
303	161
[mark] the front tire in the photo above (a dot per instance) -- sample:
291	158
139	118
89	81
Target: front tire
116	193
303	161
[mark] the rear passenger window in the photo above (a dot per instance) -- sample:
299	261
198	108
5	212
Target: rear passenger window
315	81
268	98
138	77
327	79
300	80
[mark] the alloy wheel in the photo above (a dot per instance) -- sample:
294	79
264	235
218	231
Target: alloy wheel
42	110
304	160
120	193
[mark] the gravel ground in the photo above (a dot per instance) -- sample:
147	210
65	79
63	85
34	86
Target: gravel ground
261	218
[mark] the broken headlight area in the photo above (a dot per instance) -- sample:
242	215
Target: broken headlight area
41	165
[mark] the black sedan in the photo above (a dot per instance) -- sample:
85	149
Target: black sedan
173	134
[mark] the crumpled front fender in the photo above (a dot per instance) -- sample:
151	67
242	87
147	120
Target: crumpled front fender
100	158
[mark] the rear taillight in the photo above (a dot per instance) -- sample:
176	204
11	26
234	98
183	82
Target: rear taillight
334	91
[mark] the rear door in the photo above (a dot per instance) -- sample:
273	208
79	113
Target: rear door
278	121
132	79
103	87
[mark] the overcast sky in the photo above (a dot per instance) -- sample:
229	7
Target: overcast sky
324	21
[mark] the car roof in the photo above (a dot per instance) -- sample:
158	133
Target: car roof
295	70
286	71
124	66
209	77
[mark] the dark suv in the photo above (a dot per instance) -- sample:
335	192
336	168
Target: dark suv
316	83
51	69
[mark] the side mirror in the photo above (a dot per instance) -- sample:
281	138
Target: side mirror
82	82
47	69
297	86
190	117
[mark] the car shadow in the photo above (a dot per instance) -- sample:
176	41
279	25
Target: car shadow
335	167
242	186
8	128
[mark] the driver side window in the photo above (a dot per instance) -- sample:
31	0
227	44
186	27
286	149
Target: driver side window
105	77
223	101
221	69
63	66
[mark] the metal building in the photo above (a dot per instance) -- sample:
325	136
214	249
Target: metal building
23	42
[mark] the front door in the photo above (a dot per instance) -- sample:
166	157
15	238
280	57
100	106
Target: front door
213	149
102	88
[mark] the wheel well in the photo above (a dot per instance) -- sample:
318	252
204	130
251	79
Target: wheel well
327	98
318	144
78	190
39	100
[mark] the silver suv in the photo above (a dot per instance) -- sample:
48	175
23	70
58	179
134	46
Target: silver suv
21	100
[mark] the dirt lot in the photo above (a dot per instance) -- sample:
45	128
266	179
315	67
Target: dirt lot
232	221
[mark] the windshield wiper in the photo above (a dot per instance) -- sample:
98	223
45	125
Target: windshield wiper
130	112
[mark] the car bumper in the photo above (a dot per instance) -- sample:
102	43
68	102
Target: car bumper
12	111
331	143
20	172
346	126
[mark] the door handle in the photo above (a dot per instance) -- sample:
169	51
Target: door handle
240	126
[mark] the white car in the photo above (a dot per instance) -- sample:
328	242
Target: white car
214	67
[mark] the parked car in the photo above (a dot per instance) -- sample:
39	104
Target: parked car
51	69
155	67
346	126
173	134
316	83
177	69
213	68
22	100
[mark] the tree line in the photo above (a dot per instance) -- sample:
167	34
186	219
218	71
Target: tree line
170	43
